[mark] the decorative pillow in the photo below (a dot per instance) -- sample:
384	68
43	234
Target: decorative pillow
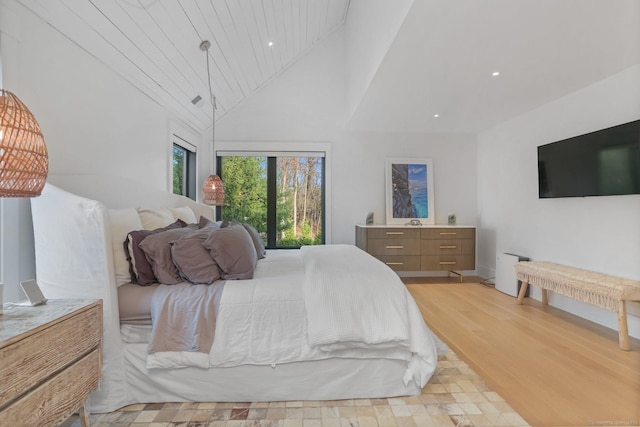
139	267
233	250
184	213
155	218
157	248
192	259
206	222
122	221
257	240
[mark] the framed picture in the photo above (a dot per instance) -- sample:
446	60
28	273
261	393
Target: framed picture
409	191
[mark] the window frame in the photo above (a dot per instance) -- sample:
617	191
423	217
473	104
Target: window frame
190	185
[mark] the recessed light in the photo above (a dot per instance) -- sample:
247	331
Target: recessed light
270	44
436	115
495	73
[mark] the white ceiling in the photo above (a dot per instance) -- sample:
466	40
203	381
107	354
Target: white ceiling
442	60
155	43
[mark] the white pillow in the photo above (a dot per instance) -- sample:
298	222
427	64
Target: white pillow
122	222
155	218
184	213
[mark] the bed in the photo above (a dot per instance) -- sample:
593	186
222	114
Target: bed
319	323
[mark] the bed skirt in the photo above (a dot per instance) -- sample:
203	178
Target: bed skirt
326	379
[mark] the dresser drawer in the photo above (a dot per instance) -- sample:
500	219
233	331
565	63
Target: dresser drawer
36	357
447	233
447	247
394	246
52	401
447	262
393	233
401	263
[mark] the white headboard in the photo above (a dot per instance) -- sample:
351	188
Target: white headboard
116	193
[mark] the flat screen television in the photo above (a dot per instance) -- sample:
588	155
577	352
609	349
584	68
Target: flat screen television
601	163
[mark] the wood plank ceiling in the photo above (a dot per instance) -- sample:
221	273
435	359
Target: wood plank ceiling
155	44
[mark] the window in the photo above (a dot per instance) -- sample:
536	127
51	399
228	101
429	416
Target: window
281	194
184	171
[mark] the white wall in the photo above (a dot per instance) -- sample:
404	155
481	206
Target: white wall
595	233
93	121
359	176
307	104
371	27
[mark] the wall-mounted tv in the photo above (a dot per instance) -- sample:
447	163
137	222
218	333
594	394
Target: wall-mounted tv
601	163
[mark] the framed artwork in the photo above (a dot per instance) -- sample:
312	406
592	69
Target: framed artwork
409	191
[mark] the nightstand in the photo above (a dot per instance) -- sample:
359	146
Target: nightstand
50	361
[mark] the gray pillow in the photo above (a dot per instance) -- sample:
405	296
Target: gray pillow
157	249
192	259
257	240
233	250
139	266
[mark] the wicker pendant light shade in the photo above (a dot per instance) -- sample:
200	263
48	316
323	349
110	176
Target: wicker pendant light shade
24	162
213	191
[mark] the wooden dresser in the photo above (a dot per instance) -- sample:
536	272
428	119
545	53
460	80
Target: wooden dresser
50	361
423	248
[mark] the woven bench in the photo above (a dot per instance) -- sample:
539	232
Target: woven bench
608	292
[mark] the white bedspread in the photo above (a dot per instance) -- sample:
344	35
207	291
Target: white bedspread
263	321
352	299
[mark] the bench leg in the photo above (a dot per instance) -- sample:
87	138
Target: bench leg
623	332
523	290
545	297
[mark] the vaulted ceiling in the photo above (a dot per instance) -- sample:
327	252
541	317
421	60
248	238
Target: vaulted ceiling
443	59
440	62
155	44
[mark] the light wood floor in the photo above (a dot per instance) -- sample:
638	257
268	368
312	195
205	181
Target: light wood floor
553	368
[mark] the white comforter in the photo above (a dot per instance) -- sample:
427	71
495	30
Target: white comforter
295	309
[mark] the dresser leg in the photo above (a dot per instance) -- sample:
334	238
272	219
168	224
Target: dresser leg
85	420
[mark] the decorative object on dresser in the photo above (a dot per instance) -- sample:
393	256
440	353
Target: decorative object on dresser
409	191
369	218
602	290
51	361
420	248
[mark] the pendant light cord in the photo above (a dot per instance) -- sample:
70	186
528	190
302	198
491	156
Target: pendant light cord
205	47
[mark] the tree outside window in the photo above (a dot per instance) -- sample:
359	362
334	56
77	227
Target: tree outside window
282	197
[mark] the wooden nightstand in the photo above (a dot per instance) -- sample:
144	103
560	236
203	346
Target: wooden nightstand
50	361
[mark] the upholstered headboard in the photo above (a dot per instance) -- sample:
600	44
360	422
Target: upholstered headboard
117	192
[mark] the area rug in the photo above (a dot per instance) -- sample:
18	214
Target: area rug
455	396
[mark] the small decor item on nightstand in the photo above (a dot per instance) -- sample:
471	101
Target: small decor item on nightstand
414	222
451	219
33	292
